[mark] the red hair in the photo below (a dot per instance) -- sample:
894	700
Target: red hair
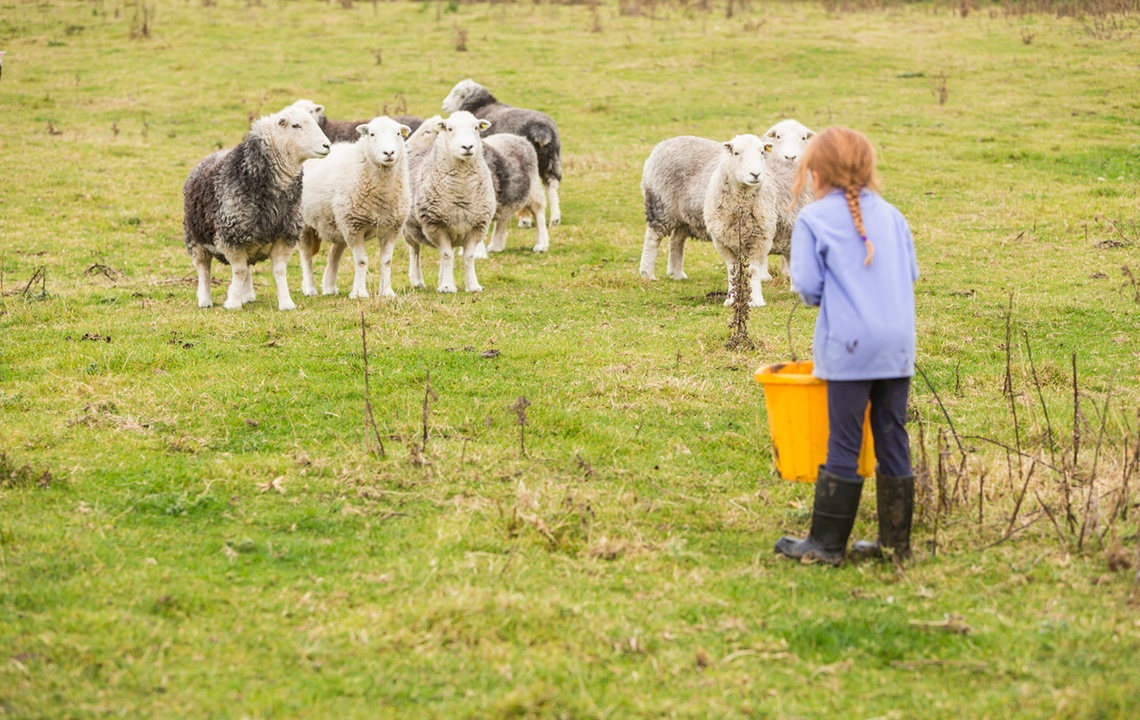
844	159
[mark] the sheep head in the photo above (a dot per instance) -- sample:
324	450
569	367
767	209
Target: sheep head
745	159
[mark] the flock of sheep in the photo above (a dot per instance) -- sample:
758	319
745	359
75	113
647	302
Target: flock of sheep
301	179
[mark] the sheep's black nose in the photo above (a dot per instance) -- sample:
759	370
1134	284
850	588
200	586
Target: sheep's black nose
326	146
468	148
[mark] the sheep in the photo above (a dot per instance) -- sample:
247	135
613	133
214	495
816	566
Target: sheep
345	130
740	211
518	187
789	138
673	184
244	205
453	200
360	191
535	126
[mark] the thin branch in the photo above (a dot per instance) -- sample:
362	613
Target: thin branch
369	418
1041	398
943	407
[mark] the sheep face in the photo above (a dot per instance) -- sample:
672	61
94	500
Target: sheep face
383	140
789	138
424	136
458	94
459	134
744	155
317	111
298	135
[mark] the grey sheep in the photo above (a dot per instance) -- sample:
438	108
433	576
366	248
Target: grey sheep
244	205
453	200
535	126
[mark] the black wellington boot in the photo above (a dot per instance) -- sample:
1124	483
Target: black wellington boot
895	496
832	517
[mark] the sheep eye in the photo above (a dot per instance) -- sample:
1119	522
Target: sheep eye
296	126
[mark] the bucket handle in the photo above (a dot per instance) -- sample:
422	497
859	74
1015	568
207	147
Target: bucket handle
792	350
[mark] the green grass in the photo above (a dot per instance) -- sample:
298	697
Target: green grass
622	567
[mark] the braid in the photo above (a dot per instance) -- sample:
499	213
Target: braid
857	215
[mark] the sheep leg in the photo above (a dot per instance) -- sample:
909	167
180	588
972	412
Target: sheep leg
415	271
757	273
649	252
470	282
730	259
552	204
360	267
328	281
202	261
279	257
676	264
499	235
387	249
247	294
542	242
442	240
240	269
308	281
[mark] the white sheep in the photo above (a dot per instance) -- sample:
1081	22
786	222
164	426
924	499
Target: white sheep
453	200
361	191
789	138
244	205
740	211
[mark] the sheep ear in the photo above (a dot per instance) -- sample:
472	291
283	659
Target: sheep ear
319	108
767	147
728	146
362	130
483	125
810	135
283	122
405	131
440	126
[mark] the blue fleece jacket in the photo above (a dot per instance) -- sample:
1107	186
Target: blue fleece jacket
865	329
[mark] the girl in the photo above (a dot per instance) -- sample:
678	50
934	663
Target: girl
853	256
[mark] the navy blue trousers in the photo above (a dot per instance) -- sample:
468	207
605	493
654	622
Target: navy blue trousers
846	402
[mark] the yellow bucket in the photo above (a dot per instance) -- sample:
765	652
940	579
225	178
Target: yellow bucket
797	419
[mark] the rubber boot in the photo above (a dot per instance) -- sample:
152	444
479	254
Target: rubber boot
832	517
895	497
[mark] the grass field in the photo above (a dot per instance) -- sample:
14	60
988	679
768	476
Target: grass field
192	520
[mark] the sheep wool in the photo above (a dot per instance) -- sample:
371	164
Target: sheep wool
360	192
243	205
518	187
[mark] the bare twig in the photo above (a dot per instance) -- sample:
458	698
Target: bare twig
943	408
1103	420
1020	498
369	418
1053	519
1041	398
429	395
520	407
1076	415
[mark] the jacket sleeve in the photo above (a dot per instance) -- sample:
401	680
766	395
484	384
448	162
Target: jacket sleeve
806	265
